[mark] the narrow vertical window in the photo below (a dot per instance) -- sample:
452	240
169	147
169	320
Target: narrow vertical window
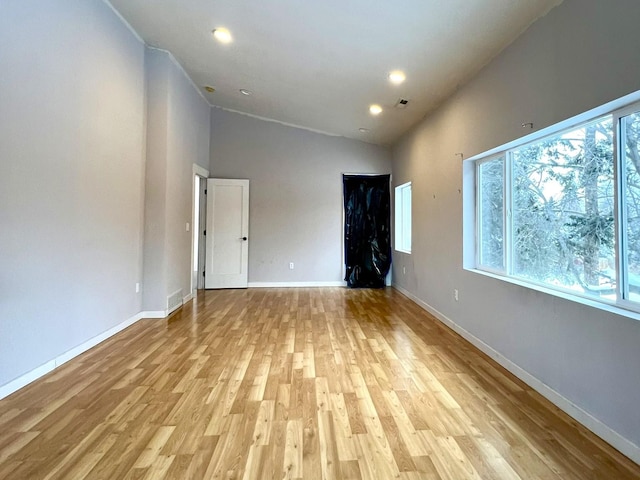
630	201
403	218
491	214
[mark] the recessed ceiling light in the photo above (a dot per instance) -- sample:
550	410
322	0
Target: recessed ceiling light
222	35
375	109
246	92
363	130
397	77
209	89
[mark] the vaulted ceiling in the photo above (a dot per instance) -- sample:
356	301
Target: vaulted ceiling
321	64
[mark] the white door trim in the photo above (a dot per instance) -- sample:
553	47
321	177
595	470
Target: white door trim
203	173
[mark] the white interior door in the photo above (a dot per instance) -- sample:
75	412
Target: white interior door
227	233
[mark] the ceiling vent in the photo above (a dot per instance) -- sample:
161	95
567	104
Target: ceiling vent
402	103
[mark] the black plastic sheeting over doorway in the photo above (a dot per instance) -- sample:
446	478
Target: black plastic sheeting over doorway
367	239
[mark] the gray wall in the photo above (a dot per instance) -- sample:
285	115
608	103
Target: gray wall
178	137
295	199
83	106
154	289
581	55
71	173
189	127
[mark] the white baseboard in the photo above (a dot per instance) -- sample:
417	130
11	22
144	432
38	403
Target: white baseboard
295	284
154	314
27	378
171	310
188	298
14	385
627	447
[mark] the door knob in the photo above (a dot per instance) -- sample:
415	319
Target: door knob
244	238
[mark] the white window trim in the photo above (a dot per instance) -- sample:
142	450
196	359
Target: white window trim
399	209
618	309
617	108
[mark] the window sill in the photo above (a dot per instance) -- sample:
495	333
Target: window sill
408	252
607	307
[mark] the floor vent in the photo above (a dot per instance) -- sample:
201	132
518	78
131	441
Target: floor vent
174	301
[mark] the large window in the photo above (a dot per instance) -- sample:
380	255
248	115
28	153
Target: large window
563	211
403	218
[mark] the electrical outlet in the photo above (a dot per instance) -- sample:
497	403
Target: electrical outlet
290	265
455	294
404	270
137	288
187	227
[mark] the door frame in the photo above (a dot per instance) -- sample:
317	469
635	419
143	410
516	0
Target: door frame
389	278
203	173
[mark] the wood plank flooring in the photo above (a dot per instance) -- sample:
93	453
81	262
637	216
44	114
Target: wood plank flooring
292	384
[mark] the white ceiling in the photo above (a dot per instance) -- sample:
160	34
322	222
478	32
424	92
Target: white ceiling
320	64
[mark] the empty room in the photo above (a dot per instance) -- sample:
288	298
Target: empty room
273	239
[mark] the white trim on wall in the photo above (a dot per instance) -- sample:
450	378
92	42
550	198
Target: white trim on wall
179	66
296	284
154	314
602	430
203	173
51	365
198	170
23	380
271	120
171	57
125	22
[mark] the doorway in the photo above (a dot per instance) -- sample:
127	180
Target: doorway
367	235
198	224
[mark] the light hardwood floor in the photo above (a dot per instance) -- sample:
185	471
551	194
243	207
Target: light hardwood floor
293	383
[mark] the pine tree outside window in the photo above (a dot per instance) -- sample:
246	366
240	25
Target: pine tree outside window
563	211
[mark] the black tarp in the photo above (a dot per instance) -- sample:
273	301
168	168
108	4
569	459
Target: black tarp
367	239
